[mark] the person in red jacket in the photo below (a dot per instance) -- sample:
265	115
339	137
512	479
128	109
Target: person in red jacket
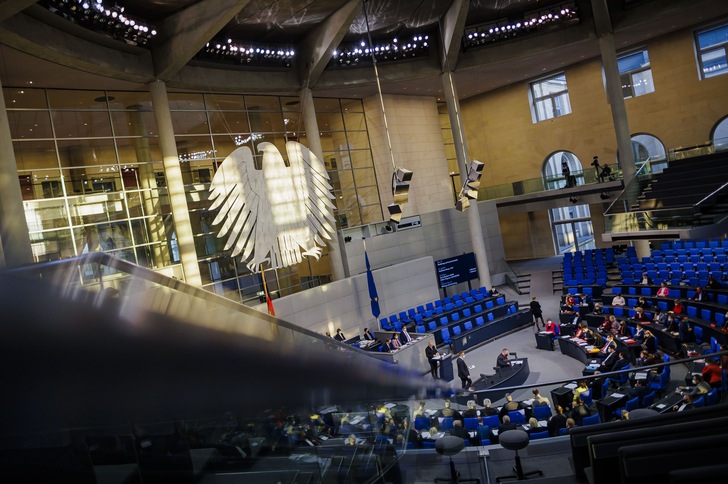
712	373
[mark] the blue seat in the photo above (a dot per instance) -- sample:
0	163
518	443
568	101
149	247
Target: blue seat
426	444
456	330
492	421
698	332
491	317
421	328
618	311
455	316
445	333
539	435
489	304
706	314
648	399
712	397
700	402
422	423
501	300
622	378
446	423
444	321
586	397
542	412
564	431
468	325
479	321
478	308
591	420
467	312
632	404
517	417
432	325
470	424
430	306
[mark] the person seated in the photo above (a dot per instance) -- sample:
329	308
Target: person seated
677	307
712	283
552	327
685	330
639	315
557	422
618	328
448	412
432	433
533	426
658	317
539	400
367	335
569	303
712	373
671	322
471	411
595	339
580	411
420	412
621	362
639	334
611	359
487	409
570	423
663	291
502	360
339	336
607	323
650	342
350	440
608	343
581	331
645	280
459	431
618	300
494	292
598	309
699	295
642	358
581	387
506	424
395	342
642	303
685	404
510	405
698	388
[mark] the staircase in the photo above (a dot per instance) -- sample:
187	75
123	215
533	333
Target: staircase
557	280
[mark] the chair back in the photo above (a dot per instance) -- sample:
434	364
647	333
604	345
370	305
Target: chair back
470	423
591	420
542	412
539	435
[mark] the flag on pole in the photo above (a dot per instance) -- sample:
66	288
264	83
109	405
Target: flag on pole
373	297
268	300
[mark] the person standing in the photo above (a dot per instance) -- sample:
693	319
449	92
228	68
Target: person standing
463	371
595	164
406	338
566	172
502	360
536	312
431	353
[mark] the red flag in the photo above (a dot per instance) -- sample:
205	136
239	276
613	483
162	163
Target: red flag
271	311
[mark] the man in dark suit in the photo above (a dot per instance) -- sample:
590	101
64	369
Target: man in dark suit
557	422
431	353
459	431
405	336
463	371
621	362
506	425
639	390
367	334
609	361
502	360
339	335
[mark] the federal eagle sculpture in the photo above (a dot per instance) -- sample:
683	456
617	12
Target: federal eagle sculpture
275	215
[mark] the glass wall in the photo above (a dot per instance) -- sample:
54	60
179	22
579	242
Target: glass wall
91	175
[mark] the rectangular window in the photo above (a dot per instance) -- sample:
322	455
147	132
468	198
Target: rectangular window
636	74
550	98
712	44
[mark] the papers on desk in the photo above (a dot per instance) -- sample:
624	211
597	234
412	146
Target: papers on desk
430	412
570	386
640	375
330	409
528	402
390	406
495	431
357	420
617	395
661	406
426	435
516	362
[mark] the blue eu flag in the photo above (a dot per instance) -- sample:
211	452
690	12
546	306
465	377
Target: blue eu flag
372	288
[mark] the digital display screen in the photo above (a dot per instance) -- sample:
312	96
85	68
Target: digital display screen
455	270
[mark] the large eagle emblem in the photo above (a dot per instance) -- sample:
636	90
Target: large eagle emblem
277	214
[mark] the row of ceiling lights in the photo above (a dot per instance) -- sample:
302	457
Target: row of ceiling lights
109	19
502	30
112	20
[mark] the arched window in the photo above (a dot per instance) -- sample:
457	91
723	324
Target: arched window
649	149
571	225
553	170
720	135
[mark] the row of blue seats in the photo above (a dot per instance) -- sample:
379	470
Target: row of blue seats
585	281
671	279
456	315
720	257
455	329
435	307
673	266
688	244
652	291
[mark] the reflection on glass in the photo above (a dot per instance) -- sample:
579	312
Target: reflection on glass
29	124
81	124
22	98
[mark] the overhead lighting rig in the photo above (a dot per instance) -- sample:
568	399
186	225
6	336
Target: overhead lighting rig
469	191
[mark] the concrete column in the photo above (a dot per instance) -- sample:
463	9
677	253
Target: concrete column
314	144
642	247
461	150
14	235
148	181
615	97
175	185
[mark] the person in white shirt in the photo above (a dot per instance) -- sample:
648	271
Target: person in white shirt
618	300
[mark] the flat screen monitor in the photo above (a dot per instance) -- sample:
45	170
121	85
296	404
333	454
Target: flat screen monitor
455	270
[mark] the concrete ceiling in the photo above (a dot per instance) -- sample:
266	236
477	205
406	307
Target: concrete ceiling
52	52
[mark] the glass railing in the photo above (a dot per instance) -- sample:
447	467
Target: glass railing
535	185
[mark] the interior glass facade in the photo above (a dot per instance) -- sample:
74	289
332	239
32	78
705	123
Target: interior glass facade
92	177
